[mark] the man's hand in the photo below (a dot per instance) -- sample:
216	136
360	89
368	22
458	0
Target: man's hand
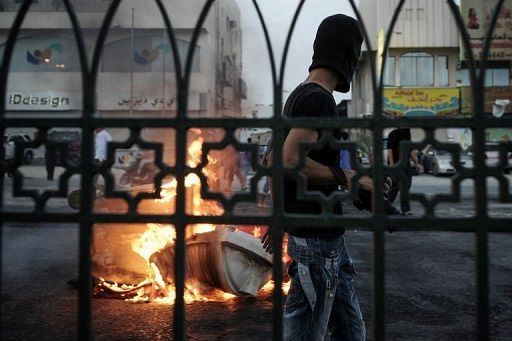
266	240
365	181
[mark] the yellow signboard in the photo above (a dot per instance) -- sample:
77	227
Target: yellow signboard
421	101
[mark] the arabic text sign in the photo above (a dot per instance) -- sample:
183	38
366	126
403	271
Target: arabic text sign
421	101
477	15
143	102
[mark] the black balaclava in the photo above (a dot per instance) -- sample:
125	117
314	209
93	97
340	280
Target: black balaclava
337	47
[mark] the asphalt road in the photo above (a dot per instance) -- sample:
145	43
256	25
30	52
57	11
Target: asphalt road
430	285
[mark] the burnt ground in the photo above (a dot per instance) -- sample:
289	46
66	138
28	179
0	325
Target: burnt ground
430	292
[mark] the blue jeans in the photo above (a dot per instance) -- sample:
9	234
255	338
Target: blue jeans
322	302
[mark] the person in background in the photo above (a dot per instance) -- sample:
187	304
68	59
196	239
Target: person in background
232	162
345	153
50	160
101	140
395	139
264	183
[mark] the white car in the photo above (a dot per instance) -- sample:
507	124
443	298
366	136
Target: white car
441	161
9	149
22	138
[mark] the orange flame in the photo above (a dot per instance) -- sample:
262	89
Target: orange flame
160	236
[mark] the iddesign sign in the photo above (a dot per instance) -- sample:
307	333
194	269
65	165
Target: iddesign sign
43	101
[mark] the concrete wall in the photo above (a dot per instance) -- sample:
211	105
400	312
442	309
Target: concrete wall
420	23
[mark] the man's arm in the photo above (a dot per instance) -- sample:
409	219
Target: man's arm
390	157
315	172
414	158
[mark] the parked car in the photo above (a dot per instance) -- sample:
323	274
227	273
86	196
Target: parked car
8	157
71	138
440	162
22	139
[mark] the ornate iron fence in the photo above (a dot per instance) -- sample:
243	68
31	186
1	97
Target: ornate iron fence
481	224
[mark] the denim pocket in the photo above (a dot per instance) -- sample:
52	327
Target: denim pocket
295	299
347	273
296	296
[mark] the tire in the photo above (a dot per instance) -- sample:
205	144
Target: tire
74	199
29	157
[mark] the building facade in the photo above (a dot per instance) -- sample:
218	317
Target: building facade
425	73
136	75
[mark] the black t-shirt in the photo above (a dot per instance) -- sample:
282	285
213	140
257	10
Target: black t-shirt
312	100
394	139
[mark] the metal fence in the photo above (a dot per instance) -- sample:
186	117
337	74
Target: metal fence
481	224
56	5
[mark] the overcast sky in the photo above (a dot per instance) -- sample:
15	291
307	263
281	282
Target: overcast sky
278	15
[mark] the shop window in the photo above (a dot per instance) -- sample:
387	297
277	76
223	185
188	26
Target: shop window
442	62
389	72
416	69
497	77
493	77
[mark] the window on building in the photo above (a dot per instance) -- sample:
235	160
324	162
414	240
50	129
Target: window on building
497	77
442	62
493	77
416	69
44	54
148	55
389	72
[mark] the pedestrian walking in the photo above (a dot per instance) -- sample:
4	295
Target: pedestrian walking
101	140
322	301
264	183
345	153
50	160
395	142
233	167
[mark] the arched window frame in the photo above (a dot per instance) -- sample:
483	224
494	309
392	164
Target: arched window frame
410	70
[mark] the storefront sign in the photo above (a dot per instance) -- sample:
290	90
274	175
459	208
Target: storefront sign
421	101
143	102
491	94
477	15
43	101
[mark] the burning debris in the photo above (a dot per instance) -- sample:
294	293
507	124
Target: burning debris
136	262
220	264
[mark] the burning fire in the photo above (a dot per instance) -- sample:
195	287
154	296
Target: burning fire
158	237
